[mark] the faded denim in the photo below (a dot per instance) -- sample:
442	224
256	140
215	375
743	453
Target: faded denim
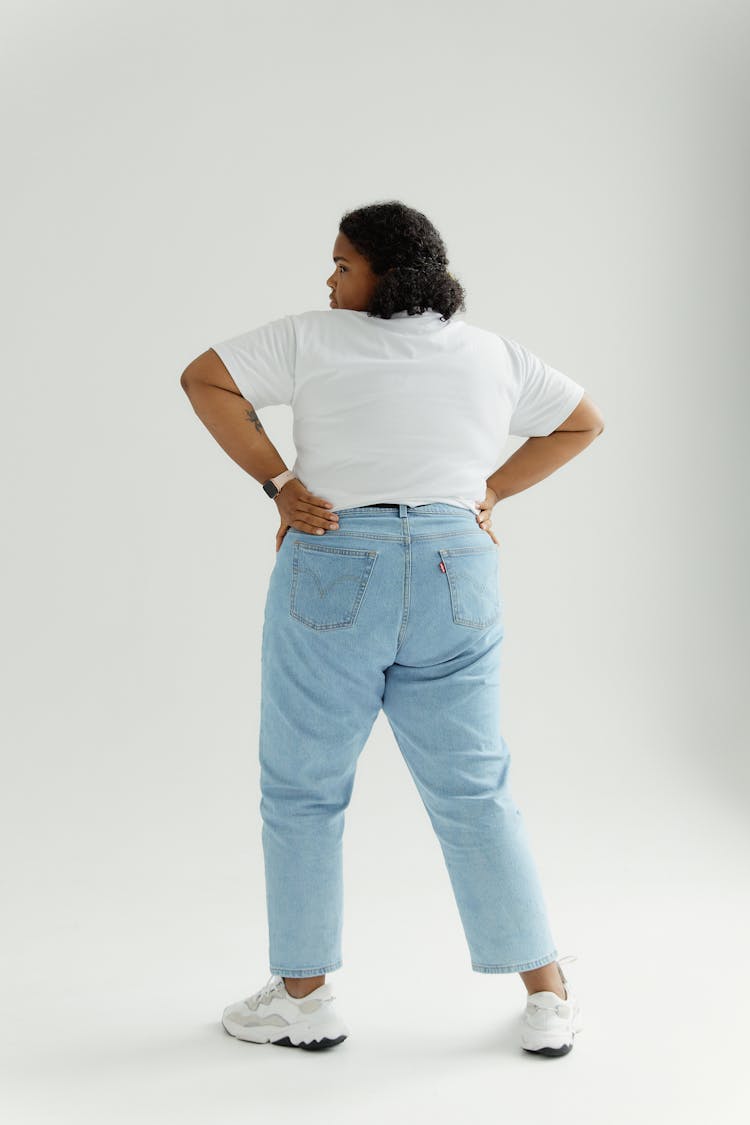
399	608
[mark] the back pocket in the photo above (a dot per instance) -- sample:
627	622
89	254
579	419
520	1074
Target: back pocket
328	584
473	579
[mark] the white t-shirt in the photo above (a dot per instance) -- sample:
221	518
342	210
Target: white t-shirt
411	410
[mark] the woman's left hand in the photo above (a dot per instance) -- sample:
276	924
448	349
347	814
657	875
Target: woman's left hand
484	516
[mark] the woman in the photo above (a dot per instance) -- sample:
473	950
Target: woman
400	413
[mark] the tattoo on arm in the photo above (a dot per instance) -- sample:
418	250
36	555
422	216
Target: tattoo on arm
253	417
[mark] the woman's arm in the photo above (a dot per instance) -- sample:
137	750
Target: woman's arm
234	423
229	417
538	457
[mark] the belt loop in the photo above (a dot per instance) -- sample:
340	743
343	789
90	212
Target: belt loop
403	509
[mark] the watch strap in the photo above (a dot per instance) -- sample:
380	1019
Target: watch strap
274	485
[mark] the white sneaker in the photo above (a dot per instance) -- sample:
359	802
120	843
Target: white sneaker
549	1023
271	1015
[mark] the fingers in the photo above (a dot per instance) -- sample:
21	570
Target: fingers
306	528
314	526
484	516
485	522
316	517
316	501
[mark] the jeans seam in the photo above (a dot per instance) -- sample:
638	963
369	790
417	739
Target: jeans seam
318	972
518	967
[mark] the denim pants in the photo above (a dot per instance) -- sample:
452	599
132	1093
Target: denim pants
400	608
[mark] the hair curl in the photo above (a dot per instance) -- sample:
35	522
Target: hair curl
406	252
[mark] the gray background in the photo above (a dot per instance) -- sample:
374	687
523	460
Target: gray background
175	175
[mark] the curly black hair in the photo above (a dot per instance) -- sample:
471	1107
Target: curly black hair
406	252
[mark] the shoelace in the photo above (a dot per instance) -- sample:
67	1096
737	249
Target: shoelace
265	992
560	961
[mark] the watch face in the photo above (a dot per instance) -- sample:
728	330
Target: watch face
270	488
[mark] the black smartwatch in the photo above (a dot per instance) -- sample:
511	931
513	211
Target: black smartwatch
273	486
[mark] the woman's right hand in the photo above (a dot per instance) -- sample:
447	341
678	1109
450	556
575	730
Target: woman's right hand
484	515
302	510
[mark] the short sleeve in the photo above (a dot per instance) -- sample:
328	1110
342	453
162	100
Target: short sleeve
544	396
262	362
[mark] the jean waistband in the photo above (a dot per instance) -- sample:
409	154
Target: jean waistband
413	511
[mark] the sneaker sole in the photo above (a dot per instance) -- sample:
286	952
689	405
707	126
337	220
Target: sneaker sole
551	1048
553	1051
300	1035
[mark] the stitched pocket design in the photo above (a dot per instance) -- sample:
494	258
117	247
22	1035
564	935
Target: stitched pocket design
328	584
474	583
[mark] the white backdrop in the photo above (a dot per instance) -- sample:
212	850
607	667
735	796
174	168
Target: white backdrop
175	174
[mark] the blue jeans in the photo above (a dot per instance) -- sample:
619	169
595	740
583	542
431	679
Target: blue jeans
399	608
